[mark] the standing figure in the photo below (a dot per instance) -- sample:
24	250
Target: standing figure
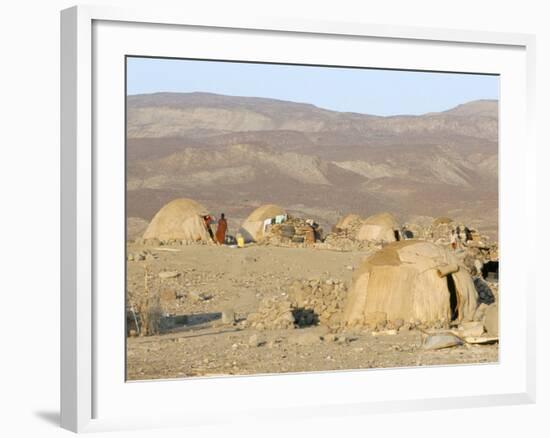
454	239
207	222
220	231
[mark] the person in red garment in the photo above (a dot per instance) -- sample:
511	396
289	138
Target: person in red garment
207	221
221	230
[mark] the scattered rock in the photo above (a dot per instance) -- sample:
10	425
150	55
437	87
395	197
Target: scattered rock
474	328
273	313
343	339
168	274
330	337
481	340
304	339
228	316
198	296
439	341
405	327
254	341
140	256
391	332
274	343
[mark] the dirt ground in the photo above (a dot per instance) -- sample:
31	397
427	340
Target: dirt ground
215	281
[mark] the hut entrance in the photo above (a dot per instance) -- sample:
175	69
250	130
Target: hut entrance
490	270
453	298
396	234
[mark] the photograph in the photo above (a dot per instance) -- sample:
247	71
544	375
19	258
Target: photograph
290	218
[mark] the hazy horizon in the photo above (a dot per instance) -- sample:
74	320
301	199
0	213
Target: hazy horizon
353	90
307	103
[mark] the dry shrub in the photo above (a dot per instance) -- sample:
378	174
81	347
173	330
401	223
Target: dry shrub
147	306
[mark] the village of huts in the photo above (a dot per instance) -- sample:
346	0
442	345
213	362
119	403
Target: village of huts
273	290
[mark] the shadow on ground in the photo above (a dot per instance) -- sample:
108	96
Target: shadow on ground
51	417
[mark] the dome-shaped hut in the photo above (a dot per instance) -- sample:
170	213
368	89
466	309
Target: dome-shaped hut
253	228
442	220
180	219
379	227
411	281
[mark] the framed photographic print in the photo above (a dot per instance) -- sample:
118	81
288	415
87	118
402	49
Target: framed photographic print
257	208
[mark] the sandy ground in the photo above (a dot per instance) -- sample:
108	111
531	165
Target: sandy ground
213	279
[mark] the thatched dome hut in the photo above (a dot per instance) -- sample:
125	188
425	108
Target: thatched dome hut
379	227
413	281
442	220
180	219
253	227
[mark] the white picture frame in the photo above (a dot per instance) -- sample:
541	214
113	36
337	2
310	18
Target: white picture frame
86	401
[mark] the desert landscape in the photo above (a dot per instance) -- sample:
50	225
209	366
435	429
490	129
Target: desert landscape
353	241
234	154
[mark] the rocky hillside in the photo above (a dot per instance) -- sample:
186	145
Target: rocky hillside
233	153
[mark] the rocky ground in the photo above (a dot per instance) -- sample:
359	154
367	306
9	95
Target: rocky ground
233	351
212	297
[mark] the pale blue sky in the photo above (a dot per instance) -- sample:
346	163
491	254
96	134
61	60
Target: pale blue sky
380	92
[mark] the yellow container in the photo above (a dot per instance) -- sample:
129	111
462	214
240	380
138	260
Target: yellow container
240	241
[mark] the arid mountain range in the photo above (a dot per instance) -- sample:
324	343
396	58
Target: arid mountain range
235	153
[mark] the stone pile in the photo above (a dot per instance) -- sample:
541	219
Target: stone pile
440	232
308	303
318	301
345	240
474	256
346	235
141	256
273	313
418	226
414	231
293	232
